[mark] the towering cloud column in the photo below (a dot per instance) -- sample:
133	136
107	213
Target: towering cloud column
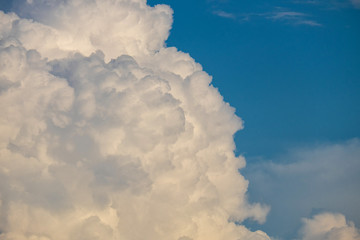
108	134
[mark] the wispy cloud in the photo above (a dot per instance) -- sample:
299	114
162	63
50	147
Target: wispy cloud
312	2
286	15
224	14
356	3
331	5
292	17
310	23
279	15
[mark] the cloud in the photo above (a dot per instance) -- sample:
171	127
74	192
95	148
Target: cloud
286	15
310	23
356	3
280	15
306	181
310	2
56	27
331	5
224	14
329	226
296	18
108	134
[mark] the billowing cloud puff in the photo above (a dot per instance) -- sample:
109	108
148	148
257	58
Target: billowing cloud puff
305	181
329	226
107	134
55	27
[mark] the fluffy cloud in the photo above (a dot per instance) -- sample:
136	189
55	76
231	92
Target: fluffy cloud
56	27
108	134
328	226
307	181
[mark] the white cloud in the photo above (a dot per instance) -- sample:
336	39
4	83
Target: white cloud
329	226
139	146
286	15
114	27
330	5
305	181
280	15
296	18
309	22
224	14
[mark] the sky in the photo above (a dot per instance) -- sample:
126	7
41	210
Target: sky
272	85
291	70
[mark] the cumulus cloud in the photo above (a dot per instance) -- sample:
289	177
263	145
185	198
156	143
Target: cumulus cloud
329	226
306	181
56	27
108	134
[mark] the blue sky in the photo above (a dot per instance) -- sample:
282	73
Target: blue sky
292	71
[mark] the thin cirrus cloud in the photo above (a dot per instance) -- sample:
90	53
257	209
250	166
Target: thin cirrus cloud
108	134
335	4
356	3
287	15
281	16
290	17
224	14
